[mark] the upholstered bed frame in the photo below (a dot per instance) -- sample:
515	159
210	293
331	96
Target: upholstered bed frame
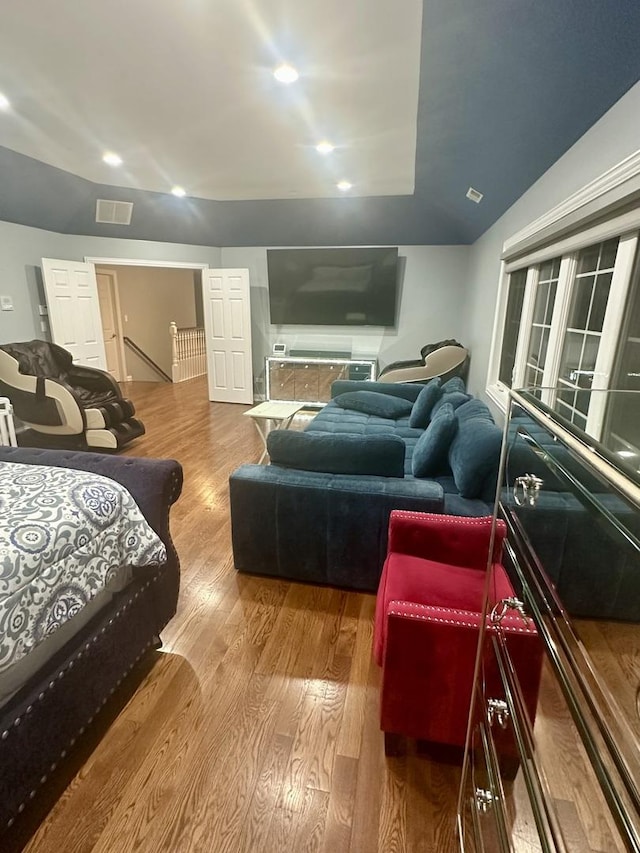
40	725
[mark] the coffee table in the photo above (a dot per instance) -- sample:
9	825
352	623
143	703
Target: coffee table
280	413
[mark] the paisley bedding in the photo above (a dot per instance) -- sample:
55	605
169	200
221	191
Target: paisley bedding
63	536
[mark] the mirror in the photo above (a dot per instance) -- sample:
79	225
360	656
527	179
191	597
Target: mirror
570	496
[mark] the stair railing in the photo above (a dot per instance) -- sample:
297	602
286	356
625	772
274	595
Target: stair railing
146	358
188	352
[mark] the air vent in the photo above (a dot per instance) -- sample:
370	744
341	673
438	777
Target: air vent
474	195
114	212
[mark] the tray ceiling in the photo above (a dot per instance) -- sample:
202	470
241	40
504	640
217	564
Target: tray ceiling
423	101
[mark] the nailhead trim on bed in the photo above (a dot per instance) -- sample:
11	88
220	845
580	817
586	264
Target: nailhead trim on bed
104	701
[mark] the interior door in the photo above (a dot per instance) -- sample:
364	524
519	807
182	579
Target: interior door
227	323
74	310
111	332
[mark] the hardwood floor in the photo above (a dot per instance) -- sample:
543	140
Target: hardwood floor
256	728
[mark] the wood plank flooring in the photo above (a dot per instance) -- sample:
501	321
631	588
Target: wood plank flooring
256	728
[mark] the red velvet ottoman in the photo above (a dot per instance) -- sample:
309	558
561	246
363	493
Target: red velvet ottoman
428	613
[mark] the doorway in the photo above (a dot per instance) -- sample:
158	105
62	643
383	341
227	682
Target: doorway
148	296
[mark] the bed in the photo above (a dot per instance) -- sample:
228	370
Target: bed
89	577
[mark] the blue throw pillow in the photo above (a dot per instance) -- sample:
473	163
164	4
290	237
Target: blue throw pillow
430	453
456	383
427	398
473	409
474	455
342	453
456	398
406	390
374	403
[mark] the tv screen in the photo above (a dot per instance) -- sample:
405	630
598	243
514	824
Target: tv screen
333	287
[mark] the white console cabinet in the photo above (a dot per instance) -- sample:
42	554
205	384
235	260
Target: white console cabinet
308	378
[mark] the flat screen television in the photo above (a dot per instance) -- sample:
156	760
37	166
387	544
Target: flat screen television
333	287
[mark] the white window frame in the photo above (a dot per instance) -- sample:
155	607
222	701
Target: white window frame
547	238
611	329
559	322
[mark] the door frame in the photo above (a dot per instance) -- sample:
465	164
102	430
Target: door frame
144	262
118	315
141	262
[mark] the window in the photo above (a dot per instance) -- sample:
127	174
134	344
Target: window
512	325
568	312
565	330
583	332
622	426
545	298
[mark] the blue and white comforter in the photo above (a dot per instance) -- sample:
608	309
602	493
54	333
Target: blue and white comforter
63	535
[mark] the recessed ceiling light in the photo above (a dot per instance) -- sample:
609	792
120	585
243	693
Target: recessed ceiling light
181	193
474	195
112	159
325	147
5	103
285	73
344	186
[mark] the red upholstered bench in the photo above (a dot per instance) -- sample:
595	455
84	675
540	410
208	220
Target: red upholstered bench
428	613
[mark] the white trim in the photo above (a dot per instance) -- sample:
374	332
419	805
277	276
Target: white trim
499	395
496	390
566	278
139	262
613	321
621	225
526	321
621	181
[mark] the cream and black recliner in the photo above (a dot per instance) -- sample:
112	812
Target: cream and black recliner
445	359
64	404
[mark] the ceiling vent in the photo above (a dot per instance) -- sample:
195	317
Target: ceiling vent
114	212
474	195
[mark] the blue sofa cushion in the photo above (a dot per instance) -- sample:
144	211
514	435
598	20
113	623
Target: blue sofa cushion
474	456
430	453
378	455
456	398
474	409
421	411
456	383
406	390
373	403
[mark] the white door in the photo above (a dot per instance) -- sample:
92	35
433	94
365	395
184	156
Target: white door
227	324
111	331
74	310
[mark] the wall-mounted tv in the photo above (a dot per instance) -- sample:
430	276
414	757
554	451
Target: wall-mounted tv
333	287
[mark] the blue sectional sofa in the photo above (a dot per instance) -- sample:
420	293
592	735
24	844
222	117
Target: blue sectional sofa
320	511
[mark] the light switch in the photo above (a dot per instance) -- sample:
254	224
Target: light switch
6	303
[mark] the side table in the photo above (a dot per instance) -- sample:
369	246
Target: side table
280	413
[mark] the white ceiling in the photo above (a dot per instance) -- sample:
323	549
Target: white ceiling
183	90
